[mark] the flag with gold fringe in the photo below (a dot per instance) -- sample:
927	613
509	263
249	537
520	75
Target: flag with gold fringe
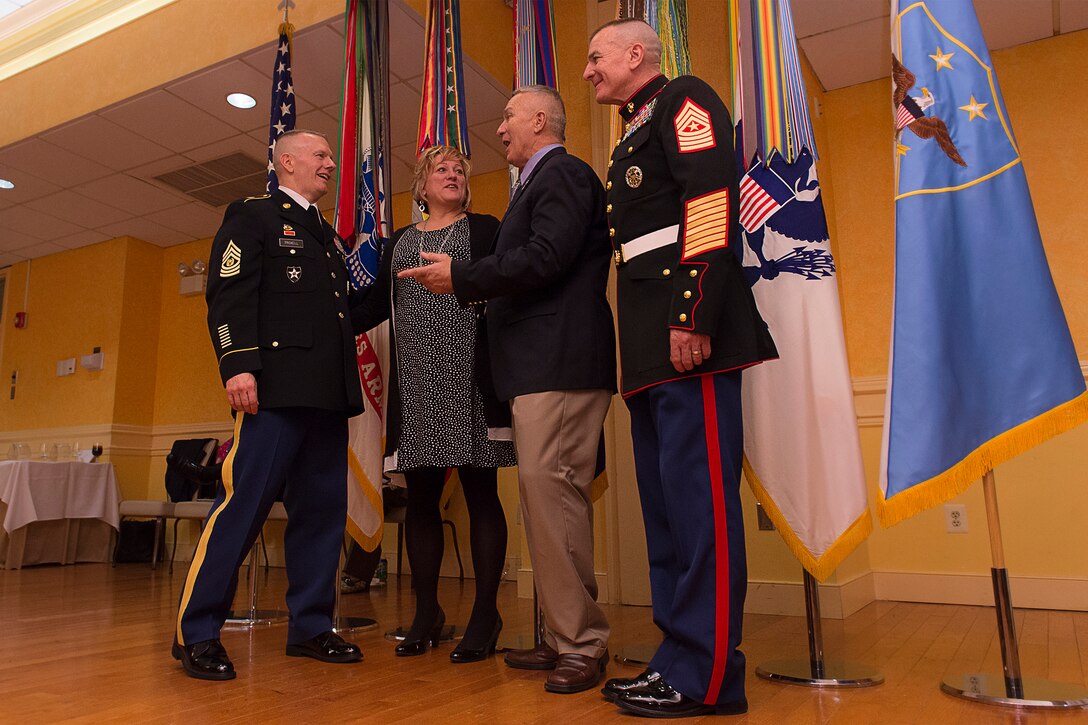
982	363
443	118
362	224
801	444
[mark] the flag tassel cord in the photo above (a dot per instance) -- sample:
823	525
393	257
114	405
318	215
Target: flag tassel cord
986	457
822	565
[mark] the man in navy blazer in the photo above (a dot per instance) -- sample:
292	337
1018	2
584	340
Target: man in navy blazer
552	350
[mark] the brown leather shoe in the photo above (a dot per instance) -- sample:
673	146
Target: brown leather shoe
575	673
541	657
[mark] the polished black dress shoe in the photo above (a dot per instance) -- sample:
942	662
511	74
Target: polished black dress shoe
658	699
205	660
327	647
413	645
462	654
619	685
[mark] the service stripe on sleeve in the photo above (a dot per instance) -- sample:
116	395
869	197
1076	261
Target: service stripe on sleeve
706	223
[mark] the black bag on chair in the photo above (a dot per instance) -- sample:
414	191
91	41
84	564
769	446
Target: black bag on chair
200	451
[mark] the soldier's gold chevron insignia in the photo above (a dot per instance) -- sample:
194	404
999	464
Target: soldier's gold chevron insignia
232	260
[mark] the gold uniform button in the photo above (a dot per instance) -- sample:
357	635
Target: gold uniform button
292	251
286	205
687	294
610	163
693	273
611	232
275	343
666	272
332	274
608	186
341	315
630	149
630	107
683	317
608	209
336	293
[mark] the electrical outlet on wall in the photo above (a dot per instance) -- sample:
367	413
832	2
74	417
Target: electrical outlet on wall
955	518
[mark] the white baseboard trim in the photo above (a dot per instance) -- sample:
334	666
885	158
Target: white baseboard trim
837	601
1028	592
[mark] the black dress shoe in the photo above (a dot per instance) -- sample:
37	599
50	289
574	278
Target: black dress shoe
619	685
462	654
205	660
658	699
413	645
327	647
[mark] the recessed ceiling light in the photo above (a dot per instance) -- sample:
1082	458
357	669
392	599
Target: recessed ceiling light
5	184
241	100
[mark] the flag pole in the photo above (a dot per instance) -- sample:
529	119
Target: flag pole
816	671
1011	689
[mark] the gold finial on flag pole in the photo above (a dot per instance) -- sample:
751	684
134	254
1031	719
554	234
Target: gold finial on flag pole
286	5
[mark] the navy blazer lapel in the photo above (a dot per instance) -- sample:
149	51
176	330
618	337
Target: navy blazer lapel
519	195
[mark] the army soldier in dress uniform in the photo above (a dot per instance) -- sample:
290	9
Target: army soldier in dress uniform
688	324
279	321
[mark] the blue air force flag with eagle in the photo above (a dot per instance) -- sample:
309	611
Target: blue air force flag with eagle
982	364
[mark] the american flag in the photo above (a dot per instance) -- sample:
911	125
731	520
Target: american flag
762	193
283	100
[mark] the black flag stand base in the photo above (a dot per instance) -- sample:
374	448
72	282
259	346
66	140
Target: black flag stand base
340	623
817	672
1009	688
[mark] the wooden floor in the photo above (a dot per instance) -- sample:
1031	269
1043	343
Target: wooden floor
88	643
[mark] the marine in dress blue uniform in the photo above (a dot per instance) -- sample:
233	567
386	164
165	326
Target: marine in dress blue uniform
688	325
279	320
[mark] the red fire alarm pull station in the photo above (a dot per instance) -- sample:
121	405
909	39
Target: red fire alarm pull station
20	320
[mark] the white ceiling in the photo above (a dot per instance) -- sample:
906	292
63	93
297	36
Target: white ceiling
847	41
92	179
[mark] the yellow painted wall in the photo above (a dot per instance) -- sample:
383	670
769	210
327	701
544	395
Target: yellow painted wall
121	295
74	306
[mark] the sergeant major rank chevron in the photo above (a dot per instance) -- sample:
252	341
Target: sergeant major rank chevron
693	129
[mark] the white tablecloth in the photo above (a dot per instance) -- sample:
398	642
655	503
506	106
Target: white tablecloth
56	512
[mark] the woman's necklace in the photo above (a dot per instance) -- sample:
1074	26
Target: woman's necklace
445	240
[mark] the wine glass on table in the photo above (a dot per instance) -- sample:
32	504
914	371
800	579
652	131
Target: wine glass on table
96	451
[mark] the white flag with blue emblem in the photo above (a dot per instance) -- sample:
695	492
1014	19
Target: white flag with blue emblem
801	447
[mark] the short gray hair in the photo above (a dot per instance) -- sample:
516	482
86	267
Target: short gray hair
633	30
553	107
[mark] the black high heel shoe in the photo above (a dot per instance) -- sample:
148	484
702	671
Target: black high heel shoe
411	647
462	654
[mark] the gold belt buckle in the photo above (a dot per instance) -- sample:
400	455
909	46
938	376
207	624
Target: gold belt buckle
619	256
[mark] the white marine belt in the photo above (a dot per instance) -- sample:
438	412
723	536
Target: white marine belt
646	243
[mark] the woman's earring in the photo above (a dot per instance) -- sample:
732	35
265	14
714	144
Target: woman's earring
422	207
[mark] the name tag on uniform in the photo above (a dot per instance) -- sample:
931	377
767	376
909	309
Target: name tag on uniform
292	243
